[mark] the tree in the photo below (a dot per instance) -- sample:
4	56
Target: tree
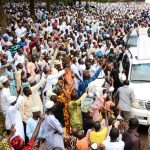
65	2
48	2
32	9
3	21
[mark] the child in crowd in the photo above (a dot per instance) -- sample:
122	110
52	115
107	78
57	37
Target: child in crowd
82	142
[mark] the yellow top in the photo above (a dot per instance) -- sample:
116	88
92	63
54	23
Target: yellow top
98	137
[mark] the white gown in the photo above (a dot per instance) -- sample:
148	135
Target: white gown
5	93
15	118
51	125
75	70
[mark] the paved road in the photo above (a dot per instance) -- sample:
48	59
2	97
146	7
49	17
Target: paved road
143	131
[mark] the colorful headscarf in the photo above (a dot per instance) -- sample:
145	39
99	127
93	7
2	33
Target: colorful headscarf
17	142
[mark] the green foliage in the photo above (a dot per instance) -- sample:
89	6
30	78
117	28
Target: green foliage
69	2
105	1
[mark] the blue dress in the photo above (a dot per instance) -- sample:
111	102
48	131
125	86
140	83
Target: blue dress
12	82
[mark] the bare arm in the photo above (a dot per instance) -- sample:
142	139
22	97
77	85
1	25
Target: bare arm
137	31
106	119
116	98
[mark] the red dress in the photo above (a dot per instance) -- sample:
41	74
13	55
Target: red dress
30	145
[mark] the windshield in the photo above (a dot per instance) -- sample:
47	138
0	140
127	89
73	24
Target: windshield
132	41
140	72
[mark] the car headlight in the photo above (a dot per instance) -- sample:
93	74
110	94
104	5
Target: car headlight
138	104
148	105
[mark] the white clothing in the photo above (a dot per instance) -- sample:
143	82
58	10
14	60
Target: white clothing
49	29
96	87
52	125
75	70
15	118
52	79
19	59
5	93
42	64
82	68
101	74
30	127
114	145
107	51
20	31
37	77
93	69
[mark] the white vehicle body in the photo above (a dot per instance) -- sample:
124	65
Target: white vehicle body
139	78
147	1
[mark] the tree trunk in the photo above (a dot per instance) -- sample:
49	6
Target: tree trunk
65	2
48	2
32	10
3	21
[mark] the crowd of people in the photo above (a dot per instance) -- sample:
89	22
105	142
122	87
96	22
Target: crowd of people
66	66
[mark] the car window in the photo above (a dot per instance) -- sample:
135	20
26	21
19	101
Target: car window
139	72
132	40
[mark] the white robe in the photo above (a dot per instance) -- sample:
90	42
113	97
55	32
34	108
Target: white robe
5	93
75	70
15	118
51	125
31	126
52	79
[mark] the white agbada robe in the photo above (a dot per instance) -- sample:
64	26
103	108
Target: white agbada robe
51	125
15	117
19	59
20	31
93	69
82	67
52	79
5	93
31	126
75	70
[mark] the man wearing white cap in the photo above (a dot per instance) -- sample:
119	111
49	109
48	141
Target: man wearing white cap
5	93
32	123
14	115
53	130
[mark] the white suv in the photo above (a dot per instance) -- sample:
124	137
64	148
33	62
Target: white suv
139	78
